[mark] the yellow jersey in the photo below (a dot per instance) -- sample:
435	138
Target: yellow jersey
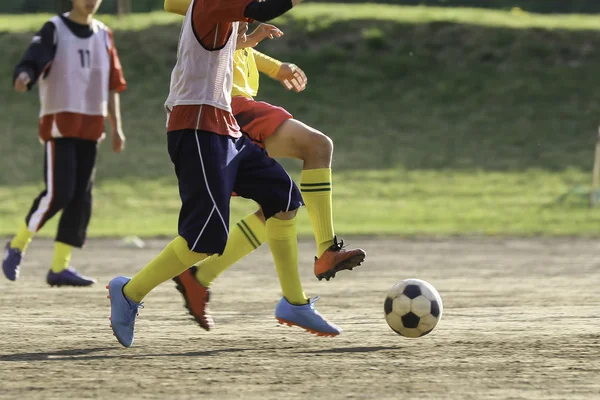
247	63
177	6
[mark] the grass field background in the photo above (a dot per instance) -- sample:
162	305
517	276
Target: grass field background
445	121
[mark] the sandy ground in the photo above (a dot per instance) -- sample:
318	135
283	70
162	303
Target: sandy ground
521	321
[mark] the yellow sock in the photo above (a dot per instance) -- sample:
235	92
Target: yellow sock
22	239
315	185
172	261
62	256
283	242
245	237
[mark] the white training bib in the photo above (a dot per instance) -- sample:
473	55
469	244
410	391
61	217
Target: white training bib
78	80
202	76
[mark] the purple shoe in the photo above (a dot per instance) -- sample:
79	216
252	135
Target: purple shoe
11	262
68	277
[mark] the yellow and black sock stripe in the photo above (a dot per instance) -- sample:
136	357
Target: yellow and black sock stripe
315	187
249	234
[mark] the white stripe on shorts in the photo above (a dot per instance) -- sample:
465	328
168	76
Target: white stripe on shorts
204	227
44	204
209	192
290	194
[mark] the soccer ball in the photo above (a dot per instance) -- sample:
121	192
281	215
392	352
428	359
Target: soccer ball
413	308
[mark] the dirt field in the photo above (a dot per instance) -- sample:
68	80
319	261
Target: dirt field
520	322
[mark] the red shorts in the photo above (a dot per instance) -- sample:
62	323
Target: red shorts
73	125
258	119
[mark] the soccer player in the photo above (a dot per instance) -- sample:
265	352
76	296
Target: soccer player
282	136
80	77
212	159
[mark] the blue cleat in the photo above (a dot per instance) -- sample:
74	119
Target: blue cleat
68	277
11	262
305	316
122	311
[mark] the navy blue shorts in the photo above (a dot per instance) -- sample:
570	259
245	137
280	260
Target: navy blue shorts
209	168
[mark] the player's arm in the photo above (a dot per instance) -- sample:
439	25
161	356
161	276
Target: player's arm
267	65
290	75
117	85
36	59
116	125
261	32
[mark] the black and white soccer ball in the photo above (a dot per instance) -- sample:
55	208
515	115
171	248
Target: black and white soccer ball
413	308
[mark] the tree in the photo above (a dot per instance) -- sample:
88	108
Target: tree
123	7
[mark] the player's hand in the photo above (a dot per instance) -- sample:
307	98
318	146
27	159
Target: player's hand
23	79
118	142
242	31
292	77
268	31
262	32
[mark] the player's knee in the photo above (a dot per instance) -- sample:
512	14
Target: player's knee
320	146
286	215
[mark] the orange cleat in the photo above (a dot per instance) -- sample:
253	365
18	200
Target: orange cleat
336	258
196	297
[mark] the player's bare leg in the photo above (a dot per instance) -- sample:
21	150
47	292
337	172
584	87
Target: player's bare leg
294	139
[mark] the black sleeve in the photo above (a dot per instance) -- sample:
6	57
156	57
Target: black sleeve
266	10
39	54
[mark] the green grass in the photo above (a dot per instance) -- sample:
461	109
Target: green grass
445	121
15	23
407	203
